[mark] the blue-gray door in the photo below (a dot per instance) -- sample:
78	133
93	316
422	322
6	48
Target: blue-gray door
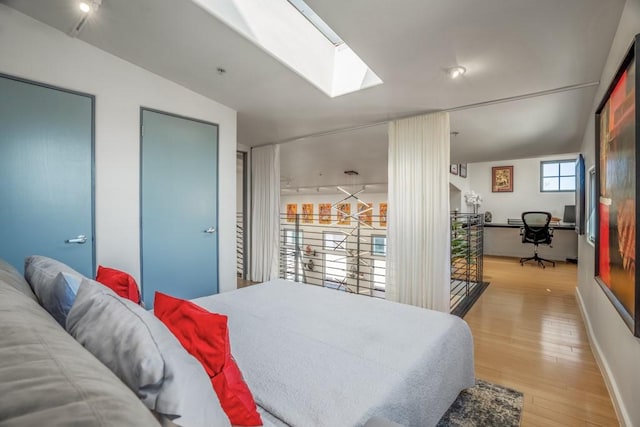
179	191
46	174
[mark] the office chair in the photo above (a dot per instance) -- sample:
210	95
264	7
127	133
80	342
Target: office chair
536	230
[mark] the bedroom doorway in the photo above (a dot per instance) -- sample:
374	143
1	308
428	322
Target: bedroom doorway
46	174
179	206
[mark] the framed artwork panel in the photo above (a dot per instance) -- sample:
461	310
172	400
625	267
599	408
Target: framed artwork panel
307	213
502	179
292	211
617	192
462	170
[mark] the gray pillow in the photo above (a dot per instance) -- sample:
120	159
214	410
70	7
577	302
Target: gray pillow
59	298
144	354
41	272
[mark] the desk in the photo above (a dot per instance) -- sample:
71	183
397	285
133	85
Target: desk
504	240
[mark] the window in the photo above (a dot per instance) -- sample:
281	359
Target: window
379	245
335	258
317	22
291	244
335	241
379	274
592	205
290	238
558	175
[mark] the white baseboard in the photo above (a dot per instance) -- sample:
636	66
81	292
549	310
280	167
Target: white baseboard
609	380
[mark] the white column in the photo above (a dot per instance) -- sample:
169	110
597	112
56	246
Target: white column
418	257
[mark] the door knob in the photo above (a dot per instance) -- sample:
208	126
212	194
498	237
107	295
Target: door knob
79	240
210	230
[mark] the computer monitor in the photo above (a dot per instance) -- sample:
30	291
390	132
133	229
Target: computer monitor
569	214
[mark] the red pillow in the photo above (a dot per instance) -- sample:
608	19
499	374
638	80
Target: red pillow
120	282
206	337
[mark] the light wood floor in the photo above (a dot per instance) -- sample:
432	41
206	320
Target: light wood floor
529	335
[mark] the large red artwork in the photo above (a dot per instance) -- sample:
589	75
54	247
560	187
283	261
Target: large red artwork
616	262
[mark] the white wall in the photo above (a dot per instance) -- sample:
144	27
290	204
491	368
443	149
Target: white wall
615	347
526	195
461	186
32	50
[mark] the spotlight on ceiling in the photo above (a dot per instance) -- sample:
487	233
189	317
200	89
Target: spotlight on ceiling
88	9
455	72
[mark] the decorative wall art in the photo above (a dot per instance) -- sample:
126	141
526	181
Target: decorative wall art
502	179
462	170
453	169
324	213
365	213
292	211
617	212
343	212
307	213
383	214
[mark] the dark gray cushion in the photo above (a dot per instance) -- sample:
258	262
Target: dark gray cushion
145	355
47	378
10	276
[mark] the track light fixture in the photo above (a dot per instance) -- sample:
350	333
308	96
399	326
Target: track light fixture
87	8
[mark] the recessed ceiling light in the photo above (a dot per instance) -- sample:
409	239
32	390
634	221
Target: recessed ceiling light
455	72
84	7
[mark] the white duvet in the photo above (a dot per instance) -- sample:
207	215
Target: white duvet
318	357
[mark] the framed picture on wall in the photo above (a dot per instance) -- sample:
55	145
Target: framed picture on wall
344	213
365	213
383	214
292	212
307	213
462	170
324	213
502	179
453	169
617	157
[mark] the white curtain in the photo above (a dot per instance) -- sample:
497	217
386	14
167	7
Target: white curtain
265	212
418	245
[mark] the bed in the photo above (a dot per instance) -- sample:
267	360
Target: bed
318	357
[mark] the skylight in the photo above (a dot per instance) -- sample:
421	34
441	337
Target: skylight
295	35
317	22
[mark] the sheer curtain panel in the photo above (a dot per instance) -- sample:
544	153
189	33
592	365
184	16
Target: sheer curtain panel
418	262
265	210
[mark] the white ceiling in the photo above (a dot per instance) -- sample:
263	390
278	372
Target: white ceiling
510	49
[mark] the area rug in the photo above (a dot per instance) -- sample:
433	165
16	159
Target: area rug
484	405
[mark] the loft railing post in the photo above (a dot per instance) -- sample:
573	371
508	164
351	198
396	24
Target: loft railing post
296	248
468	275
358	259
283	249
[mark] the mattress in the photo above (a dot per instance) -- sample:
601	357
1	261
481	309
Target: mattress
317	357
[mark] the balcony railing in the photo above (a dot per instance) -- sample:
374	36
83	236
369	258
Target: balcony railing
240	246
352	257
467	230
349	257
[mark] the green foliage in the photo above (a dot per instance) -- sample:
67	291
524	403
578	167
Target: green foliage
459	244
